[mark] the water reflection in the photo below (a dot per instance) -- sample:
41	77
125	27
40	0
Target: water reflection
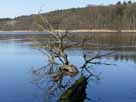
126	56
59	75
60	85
117	55
15	63
52	80
116	84
63	86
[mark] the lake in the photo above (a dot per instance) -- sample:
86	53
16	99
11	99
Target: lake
21	32
114	83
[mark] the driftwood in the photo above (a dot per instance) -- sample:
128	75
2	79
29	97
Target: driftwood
75	93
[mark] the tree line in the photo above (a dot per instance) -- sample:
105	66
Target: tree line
118	16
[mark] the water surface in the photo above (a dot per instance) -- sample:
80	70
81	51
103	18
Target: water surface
117	82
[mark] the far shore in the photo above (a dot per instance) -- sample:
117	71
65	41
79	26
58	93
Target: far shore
76	30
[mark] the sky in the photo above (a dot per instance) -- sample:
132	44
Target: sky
14	8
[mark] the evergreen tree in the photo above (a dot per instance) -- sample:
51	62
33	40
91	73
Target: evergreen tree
129	2
118	3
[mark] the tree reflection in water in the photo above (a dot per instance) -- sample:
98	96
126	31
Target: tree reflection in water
66	85
52	80
59	77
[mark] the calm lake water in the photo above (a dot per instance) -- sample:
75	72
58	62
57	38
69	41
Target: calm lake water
117	82
21	32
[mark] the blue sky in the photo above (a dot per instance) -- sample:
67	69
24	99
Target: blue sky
13	8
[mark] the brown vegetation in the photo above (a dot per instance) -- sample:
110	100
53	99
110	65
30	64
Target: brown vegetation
119	16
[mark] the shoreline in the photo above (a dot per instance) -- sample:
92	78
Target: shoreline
77	30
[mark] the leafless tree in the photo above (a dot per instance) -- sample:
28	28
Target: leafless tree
58	63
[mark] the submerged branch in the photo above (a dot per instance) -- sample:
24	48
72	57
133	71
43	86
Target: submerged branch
75	93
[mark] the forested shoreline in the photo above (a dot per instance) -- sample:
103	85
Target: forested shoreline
119	16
